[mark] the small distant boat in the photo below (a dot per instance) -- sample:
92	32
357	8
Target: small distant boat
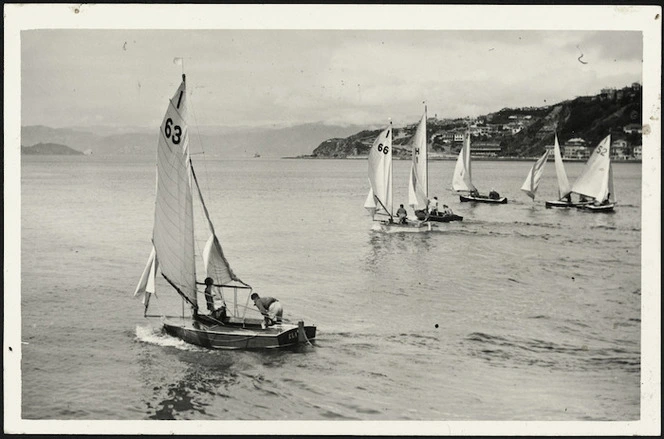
564	188
534	176
596	180
462	179
173	255
257	155
418	184
379	198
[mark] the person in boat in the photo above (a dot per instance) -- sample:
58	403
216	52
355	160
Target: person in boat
606	200
402	214
567	198
583	199
217	314
474	193
433	206
270	308
446	210
494	195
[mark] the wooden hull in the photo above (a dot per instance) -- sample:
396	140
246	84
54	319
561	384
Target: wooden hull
410	227
237	336
561	203
605	208
466	198
421	215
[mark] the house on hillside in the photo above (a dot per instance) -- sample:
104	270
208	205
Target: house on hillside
619	149
608	94
485	149
633	128
576	149
637	152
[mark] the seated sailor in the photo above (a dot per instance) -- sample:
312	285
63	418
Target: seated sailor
217	314
402	214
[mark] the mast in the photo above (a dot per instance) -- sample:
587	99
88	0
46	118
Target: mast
426	148
391	169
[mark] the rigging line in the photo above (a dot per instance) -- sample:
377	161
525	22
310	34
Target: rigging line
200	143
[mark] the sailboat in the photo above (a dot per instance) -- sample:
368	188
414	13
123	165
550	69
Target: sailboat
379	198
173	255
462	179
596	179
564	188
418	184
534	176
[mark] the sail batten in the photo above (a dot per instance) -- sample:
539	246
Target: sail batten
418	181
534	176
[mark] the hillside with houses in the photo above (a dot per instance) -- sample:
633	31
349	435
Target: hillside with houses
521	132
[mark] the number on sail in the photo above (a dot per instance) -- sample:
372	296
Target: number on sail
176	131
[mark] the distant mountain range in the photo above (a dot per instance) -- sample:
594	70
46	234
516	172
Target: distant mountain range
220	141
49	149
514	132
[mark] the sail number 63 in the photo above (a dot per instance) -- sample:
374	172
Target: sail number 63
384	149
169	129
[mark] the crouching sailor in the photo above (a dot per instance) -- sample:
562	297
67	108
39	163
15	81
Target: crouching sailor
270	308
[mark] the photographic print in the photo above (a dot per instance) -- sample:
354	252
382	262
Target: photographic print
347	214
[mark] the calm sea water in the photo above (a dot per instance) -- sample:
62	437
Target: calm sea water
517	313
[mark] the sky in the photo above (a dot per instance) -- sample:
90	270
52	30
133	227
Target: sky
237	77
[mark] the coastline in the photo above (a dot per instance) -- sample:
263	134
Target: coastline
486	159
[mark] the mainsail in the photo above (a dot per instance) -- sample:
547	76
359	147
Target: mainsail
418	191
596	178
462	176
534	176
173	232
380	171
563	183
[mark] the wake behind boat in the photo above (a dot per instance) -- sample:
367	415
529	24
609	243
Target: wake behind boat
173	256
462	179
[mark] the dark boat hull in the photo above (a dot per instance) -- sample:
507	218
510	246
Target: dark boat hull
561	203
235	336
605	208
467	198
421	215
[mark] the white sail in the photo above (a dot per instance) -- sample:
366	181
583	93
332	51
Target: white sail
534	176
594	179
380	170
173	233
418	191
612	194
146	284
370	202
461	180
563	183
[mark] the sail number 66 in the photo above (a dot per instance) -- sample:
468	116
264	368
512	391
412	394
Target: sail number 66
383	149
175	130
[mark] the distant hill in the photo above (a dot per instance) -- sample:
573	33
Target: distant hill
222	141
516	132
49	149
